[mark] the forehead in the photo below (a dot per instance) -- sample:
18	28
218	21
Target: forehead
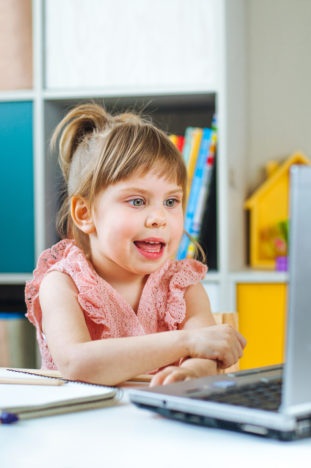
151	179
159	171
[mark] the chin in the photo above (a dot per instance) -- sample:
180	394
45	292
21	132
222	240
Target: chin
149	267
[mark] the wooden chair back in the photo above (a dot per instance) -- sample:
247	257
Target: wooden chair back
231	318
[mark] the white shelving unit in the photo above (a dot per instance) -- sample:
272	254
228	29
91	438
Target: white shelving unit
177	98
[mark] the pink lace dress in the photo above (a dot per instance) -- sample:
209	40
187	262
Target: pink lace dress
107	315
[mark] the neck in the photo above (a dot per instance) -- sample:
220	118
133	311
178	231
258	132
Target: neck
117	276
129	286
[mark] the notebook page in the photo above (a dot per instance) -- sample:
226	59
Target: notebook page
15	398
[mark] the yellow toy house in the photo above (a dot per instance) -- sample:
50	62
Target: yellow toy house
268	208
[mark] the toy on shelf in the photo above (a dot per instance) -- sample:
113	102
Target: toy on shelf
268	220
273	240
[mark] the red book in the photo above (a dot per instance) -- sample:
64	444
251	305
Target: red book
180	142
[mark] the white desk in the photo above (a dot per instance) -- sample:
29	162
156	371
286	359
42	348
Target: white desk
126	436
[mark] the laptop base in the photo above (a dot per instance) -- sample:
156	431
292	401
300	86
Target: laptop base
199	420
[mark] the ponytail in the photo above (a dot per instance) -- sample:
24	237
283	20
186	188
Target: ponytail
76	127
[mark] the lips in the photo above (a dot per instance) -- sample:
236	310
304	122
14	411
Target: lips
150	248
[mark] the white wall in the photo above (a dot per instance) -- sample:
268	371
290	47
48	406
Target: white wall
279	82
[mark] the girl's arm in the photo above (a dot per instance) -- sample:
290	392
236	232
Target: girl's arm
113	360
199	315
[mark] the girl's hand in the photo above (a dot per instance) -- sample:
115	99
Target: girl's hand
172	374
189	369
218	342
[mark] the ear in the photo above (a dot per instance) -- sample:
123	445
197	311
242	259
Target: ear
82	215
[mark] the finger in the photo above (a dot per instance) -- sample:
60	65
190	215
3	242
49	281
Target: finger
232	356
158	378
235	349
226	355
241	339
227	361
175	376
240	351
236	352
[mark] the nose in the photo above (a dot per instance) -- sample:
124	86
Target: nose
156	218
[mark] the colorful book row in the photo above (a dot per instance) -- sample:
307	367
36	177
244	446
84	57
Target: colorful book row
198	148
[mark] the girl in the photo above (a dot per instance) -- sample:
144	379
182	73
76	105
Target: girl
107	300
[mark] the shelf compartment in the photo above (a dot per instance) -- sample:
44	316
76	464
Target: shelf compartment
16	182
16	45
17	335
162	44
262	313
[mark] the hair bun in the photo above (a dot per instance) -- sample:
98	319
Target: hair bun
129	118
75	127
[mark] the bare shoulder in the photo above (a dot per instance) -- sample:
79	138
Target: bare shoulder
57	279
55	287
61	313
196	297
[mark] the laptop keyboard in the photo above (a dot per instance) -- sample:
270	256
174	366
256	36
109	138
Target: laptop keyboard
262	395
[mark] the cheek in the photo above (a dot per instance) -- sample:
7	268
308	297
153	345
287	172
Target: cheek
125	225
178	226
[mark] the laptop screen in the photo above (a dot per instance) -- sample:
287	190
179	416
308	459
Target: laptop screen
297	370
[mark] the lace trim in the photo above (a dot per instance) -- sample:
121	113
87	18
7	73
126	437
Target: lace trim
181	274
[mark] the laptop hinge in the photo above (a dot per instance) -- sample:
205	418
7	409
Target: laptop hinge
301	409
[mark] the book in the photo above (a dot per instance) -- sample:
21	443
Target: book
202	198
187	144
208	232
173	138
180	142
193	155
18	401
195	190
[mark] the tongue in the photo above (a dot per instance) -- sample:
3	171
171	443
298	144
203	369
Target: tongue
148	247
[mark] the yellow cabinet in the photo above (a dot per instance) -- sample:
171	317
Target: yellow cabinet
261	310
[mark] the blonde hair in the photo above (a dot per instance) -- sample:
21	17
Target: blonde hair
97	149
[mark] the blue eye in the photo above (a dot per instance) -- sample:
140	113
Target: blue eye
171	202
137	202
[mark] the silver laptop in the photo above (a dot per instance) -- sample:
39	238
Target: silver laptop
274	401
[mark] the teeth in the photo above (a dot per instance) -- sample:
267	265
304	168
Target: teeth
151	242
151	246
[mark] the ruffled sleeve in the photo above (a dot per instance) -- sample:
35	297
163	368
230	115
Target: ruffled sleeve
177	277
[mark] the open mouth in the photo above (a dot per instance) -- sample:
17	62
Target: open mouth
150	248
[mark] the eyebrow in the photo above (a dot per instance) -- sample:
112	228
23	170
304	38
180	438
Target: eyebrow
143	191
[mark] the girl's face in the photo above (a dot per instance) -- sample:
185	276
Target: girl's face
138	223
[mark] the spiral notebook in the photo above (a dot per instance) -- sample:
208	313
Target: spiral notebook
31	399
